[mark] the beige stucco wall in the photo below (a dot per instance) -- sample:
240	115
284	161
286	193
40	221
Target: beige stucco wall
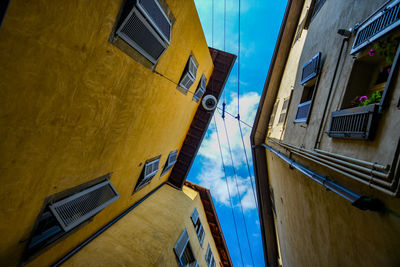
147	235
316	227
322	37
288	79
75	107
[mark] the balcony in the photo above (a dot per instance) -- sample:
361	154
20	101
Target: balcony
354	123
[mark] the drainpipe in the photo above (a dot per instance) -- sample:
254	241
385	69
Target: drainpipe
328	99
358	201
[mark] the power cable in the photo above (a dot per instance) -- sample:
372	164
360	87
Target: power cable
248	165
237	188
229	192
238	117
238	80
224	37
244	148
233	116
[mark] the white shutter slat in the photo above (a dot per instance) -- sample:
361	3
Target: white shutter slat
140	35
151	168
195	216
75	209
181	244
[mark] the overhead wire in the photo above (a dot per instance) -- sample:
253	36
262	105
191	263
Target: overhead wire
224	38
238	116
237	188
229	192
241	134
248	165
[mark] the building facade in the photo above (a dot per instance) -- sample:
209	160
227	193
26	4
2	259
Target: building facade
326	137
98	101
181	232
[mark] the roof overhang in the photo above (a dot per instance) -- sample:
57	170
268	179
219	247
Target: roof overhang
213	222
223	63
260	128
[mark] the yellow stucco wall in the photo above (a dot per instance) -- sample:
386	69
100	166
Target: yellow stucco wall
140	239
75	107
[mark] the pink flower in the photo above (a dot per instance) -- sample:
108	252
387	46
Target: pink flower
388	70
371	52
363	98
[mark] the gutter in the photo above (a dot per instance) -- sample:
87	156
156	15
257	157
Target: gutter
358	201
265	212
104	228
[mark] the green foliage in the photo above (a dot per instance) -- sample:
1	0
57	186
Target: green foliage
374	98
387	48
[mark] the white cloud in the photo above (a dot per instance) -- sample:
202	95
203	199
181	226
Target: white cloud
212	174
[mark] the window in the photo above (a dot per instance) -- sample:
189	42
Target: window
197	226
150	169
3	10
189	74
371	78
146	28
285	106
183	251
309	81
272	118
65	211
382	23
316	5
172	157
299	31
201	89
209	257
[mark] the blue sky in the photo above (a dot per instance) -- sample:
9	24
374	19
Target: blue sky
260	23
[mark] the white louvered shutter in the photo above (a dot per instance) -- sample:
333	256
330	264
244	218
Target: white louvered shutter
181	244
75	209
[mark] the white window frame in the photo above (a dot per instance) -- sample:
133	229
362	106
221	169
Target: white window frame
201	89
148	176
170	161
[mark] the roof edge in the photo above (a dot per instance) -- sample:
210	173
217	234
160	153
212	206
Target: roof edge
207	197
223	64
267	223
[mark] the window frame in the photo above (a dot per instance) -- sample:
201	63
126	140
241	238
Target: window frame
342	121
3	10
132	43
315	7
284	110
169	164
190	72
375	36
181	245
273	114
51	240
133	51
311	80
198	227
167	39
210	257
146	178
201	89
